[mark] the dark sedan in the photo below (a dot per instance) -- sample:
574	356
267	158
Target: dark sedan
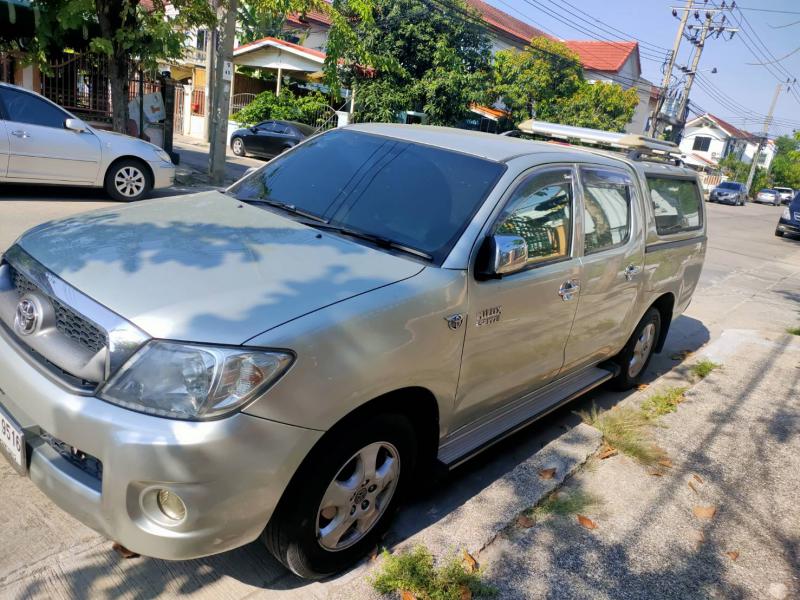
790	219
269	138
729	192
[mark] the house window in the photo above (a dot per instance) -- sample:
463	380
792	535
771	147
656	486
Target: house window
701	143
201	39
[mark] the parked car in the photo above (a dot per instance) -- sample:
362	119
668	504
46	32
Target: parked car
790	219
269	138
729	192
286	359
768	196
787	194
42	143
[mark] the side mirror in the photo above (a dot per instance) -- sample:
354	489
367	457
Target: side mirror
254	129
506	254
250	171
75	125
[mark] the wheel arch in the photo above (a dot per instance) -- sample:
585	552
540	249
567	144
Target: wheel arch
664	304
148	170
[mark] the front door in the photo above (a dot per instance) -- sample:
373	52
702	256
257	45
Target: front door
518	326
611	266
40	148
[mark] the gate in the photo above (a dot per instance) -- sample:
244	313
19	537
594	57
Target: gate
177	122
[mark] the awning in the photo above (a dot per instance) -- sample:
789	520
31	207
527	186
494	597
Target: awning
272	53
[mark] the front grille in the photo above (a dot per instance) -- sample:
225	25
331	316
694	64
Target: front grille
797	216
68	322
85	462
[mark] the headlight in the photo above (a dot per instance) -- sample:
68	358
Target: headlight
160	153
787	215
186	381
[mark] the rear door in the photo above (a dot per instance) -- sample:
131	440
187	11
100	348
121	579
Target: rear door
3	148
40	147
611	266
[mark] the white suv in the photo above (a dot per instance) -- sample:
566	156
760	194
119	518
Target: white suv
40	142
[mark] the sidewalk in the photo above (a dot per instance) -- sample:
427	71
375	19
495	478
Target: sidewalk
193	166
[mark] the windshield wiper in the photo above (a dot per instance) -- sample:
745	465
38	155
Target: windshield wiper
285	206
378	240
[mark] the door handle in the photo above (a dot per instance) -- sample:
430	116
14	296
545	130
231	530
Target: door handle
21	134
632	271
569	289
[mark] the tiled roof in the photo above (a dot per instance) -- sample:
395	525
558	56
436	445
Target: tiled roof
311	16
603	56
506	23
731	130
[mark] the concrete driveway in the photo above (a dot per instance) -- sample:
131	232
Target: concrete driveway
751	280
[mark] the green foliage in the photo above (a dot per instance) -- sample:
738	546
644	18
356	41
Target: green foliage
546	80
416	572
627	430
793	330
703	368
287	105
564	504
426	61
785	166
664	402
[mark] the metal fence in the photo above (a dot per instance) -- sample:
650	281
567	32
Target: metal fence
199	102
80	83
239	101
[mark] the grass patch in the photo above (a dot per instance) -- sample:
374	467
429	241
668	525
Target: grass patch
702	368
415	571
626	429
793	330
665	402
564	504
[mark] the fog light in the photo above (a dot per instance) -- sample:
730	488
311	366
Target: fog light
171	505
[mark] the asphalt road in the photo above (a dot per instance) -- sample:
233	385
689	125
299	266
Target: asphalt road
44	553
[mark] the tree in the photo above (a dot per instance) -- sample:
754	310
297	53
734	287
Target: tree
546	80
785	168
424	59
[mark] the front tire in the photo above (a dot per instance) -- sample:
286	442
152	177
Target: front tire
778	233
237	145
342	498
636	354
128	180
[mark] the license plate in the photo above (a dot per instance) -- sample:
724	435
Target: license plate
12	443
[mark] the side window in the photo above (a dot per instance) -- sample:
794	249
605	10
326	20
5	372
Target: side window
676	204
606	209
540	212
22	107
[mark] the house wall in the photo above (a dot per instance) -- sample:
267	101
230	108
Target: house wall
717	147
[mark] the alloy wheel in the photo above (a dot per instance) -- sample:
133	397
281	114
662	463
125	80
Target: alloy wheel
642	349
238	146
130	181
358	496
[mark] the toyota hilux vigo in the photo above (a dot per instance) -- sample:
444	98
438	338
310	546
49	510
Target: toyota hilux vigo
281	360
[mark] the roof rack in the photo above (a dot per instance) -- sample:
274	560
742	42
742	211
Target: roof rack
637	146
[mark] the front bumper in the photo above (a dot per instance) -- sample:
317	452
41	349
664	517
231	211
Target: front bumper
230	472
163	174
723	199
785	226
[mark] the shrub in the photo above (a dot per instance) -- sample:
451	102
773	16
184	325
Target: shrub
287	106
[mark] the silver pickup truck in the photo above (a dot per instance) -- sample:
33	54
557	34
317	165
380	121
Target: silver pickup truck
285	359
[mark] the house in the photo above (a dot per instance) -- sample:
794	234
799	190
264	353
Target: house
712	139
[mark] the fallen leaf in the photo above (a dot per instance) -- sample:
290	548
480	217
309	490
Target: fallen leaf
733	554
665	462
699	538
587	522
470	562
466	593
704	512
642	386
406	595
698	479
680	355
694	489
547	473
123	551
374	554
525	522
655	473
607	452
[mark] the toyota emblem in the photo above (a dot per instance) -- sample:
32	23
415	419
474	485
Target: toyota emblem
27	317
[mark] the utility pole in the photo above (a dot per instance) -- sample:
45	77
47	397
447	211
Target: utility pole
211	54
681	114
221	85
765	133
668	71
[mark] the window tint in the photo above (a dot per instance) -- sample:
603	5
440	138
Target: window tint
22	107
606	209
701	143
540	212
729	185
419	196
676	204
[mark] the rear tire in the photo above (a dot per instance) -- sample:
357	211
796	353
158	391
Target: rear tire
237	145
636	354
302	533
128	180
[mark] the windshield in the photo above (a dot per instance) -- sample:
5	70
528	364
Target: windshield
784	190
729	185
766	191
418	196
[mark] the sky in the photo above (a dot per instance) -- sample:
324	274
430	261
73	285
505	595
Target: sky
741	93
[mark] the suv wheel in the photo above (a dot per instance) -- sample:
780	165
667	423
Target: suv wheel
342	499
237	145
128	180
636	354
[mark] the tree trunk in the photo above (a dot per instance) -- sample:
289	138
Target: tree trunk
118	72
114	16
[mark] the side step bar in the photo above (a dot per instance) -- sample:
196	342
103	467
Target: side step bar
472	439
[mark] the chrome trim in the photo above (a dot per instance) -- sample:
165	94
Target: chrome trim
124	338
667	245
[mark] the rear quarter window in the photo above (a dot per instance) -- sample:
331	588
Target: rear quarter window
677	204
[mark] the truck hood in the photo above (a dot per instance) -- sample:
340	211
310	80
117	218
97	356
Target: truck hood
207	268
